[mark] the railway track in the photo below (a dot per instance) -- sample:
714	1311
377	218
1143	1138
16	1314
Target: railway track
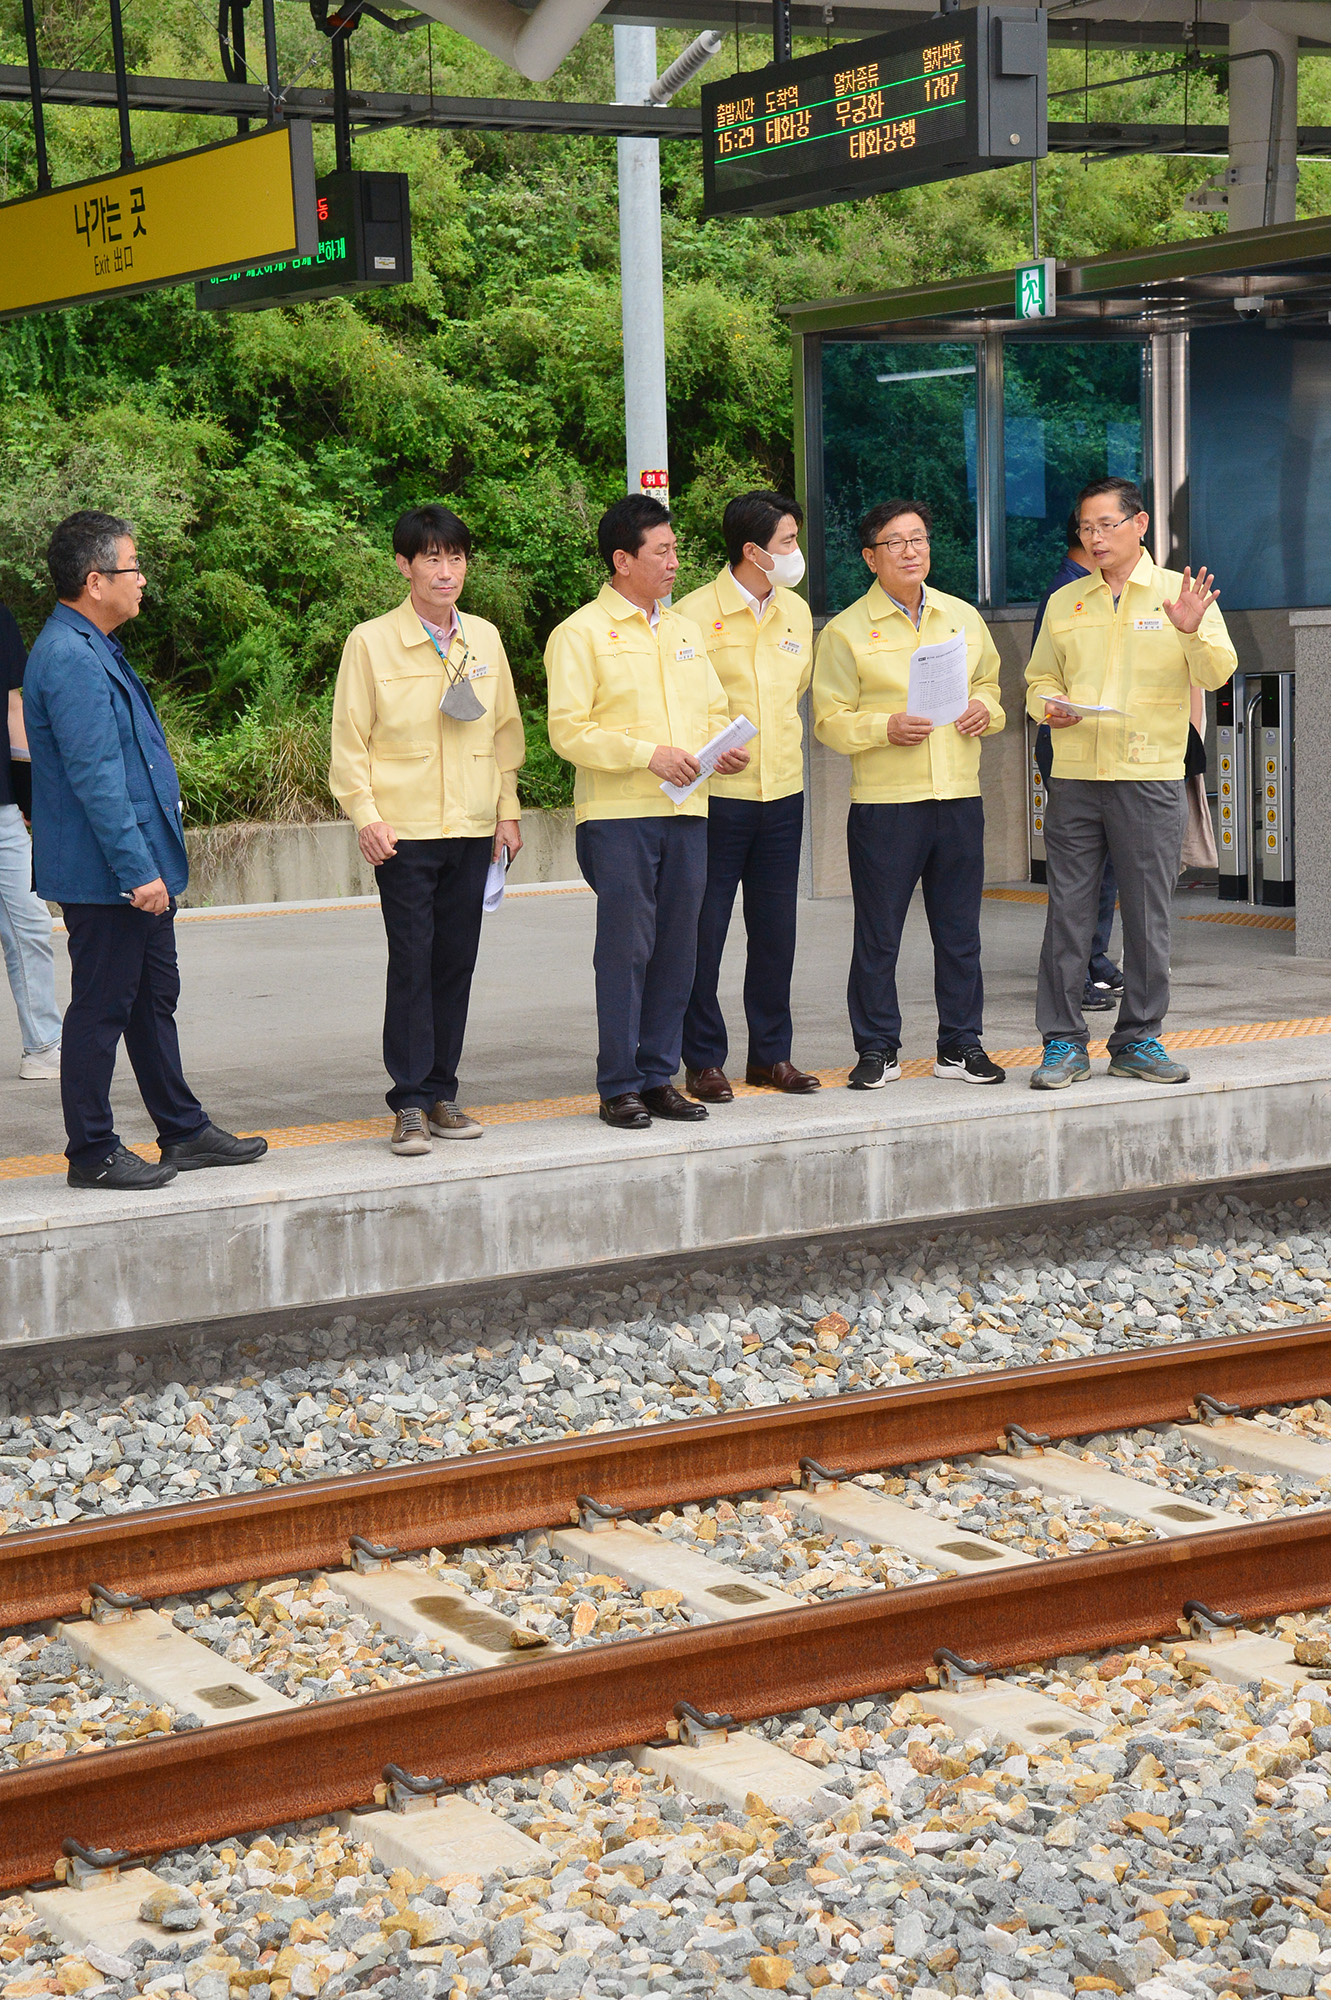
545	1705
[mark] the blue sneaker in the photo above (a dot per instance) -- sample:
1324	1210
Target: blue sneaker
1146	1062
1064	1063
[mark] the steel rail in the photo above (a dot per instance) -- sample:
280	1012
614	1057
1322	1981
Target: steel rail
178	1790
199	1545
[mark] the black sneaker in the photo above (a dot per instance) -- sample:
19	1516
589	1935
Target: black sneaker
122	1171
874	1068
1098	998
970	1065
212	1147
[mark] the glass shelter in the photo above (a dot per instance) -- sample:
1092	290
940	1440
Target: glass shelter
1201	369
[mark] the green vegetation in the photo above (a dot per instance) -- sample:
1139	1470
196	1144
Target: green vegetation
263	457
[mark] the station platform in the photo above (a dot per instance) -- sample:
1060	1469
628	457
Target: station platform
280	1025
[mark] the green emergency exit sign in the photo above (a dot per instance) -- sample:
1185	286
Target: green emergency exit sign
1036	290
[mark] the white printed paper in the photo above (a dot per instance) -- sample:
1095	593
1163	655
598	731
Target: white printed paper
1082	707
939	686
494	883
733	737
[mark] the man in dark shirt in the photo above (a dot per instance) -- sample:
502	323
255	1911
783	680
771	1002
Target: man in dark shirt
110	849
25	921
1104	981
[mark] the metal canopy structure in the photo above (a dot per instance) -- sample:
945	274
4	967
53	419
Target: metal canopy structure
1285	272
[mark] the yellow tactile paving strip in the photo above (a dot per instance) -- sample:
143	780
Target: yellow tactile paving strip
1257	920
32	1166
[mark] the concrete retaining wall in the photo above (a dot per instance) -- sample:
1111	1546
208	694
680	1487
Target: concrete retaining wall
298	864
332	1225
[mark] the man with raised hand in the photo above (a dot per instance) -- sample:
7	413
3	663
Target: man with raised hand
109	847
916	815
633	697
1112	674
760	638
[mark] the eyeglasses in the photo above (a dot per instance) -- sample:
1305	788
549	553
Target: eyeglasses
132	570
897	544
1104	527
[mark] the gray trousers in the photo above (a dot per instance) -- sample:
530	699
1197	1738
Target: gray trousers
1139	826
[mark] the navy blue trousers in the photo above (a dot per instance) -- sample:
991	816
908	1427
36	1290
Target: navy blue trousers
648	876
1100	964
938	843
431	894
124	985
755	842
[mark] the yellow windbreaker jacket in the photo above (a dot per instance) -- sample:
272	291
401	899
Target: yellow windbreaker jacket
396	758
861	677
764	667
617	690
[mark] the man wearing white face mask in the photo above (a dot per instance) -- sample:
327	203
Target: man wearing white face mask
759	635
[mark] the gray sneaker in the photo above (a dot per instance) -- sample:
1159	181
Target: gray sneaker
409	1133
447	1122
1146	1062
1064	1063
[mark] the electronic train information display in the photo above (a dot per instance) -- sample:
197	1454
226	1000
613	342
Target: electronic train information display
961	93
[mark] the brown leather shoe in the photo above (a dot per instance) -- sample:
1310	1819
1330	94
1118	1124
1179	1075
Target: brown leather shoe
627	1111
709	1086
664	1101
782	1076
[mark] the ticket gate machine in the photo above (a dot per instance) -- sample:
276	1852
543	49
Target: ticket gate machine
1254	737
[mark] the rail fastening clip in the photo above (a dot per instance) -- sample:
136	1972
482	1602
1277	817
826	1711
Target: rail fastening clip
1203	1623
961	1676
369	1558
698	1730
594	1517
91	1867
111	1607
403	1793
1211	1410
814	1476
1019	1443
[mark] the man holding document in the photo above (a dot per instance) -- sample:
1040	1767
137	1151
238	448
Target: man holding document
1112	674
635	705
760	638
906	684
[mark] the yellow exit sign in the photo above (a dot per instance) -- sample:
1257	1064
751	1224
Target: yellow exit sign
238	203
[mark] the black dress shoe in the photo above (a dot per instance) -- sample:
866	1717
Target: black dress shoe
213	1148
782	1076
709	1086
664	1101
627	1111
122	1171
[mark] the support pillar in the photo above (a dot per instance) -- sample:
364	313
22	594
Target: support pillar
1250	84
645	439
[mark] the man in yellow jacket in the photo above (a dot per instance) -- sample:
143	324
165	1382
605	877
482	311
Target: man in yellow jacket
916	814
1112	673
760	638
633	696
427	745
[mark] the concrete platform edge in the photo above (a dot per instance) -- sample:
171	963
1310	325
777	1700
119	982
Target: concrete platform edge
333	1226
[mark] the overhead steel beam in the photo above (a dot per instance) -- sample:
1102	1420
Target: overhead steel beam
379	110
373	110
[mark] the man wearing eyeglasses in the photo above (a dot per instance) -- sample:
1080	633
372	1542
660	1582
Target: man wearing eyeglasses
109	847
427	746
1112	673
916	815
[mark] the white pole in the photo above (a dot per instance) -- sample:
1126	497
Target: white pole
640	271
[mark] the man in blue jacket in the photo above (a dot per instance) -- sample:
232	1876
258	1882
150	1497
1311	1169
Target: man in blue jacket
109	847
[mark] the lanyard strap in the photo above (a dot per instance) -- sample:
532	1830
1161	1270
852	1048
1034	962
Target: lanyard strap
456	676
